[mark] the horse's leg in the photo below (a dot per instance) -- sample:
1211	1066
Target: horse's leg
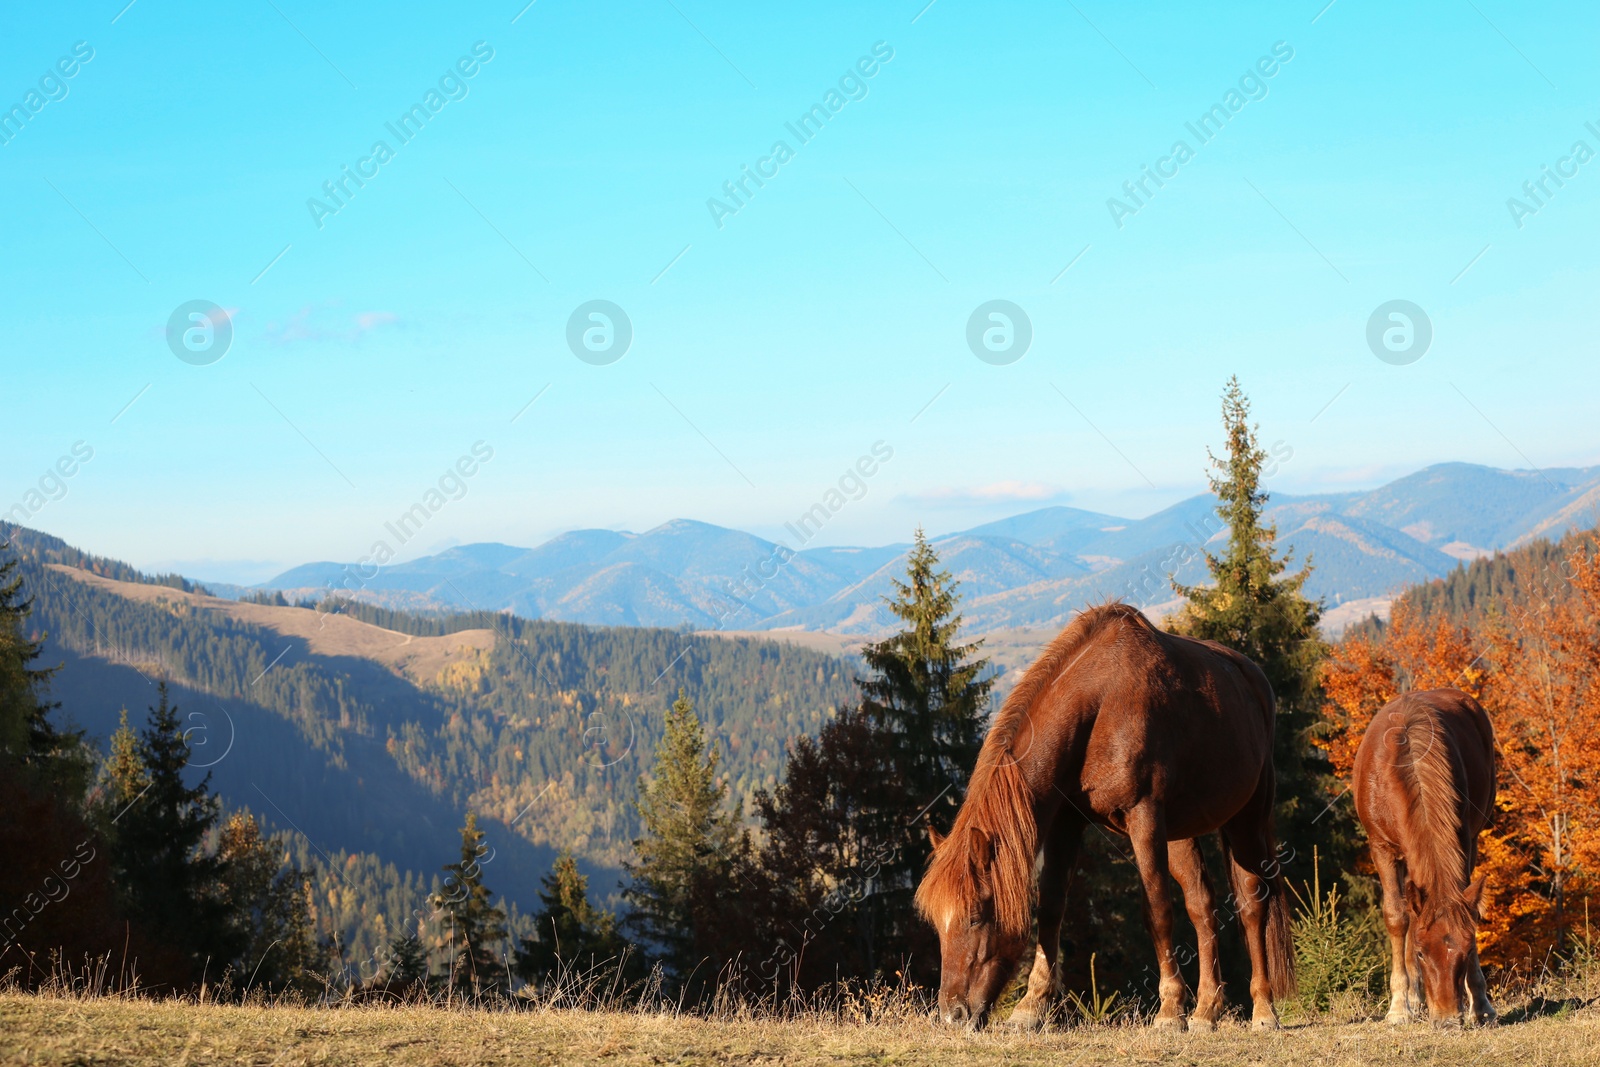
1189	868
1397	921
1044	981
1147	830
1477	988
1482	1009
1419	991
1250	854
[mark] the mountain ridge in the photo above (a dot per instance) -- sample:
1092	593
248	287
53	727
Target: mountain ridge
1027	570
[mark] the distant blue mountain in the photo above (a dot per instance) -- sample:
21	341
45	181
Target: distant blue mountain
1032	569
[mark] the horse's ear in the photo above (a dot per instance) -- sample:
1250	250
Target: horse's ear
1474	895
1416	896
980	860
982	845
935	838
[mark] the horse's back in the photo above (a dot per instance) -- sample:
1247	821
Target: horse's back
1190	721
1253	689
1405	734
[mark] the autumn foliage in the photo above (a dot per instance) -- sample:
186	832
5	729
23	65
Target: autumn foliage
1533	659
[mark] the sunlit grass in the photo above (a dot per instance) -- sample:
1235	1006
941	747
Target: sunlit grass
586	1017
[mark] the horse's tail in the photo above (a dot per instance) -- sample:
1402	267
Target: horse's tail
1280	942
1270	889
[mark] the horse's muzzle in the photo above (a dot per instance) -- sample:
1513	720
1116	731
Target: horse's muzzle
959	1014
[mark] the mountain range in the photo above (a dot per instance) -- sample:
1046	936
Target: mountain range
1033	570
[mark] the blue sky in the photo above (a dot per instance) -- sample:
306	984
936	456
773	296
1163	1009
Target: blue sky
576	163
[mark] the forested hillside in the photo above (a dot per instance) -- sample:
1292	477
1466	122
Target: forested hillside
1488	585
543	729
360	903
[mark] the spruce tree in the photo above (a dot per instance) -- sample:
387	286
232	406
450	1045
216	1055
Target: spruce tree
408	965
689	839
1252	606
269	908
568	930
169	881
844	847
822	858
473	926
123	776
927	701
54	756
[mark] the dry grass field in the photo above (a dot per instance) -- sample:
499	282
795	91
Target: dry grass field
71	1030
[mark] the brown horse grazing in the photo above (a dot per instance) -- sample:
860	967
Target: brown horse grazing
1424	788
1155	736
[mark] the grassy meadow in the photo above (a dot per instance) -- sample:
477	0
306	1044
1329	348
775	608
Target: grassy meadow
69	1029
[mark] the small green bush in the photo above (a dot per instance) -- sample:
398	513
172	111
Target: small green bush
1341	953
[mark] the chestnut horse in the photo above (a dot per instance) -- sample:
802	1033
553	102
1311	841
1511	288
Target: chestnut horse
1424	788
1158	737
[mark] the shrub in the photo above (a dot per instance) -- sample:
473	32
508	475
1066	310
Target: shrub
1340	952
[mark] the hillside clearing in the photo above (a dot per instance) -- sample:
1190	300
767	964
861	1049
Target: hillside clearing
421	659
47	1030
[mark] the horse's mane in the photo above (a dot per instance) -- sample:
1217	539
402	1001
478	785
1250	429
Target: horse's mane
1425	766
999	802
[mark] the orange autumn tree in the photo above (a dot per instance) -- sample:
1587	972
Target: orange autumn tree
1535	665
1365	672
1542	857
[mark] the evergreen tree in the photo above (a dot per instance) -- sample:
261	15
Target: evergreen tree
473	927
820	864
54	756
123	777
568	930
843	845
926	703
928	695
168	879
270	911
408	964
689	839
1252	606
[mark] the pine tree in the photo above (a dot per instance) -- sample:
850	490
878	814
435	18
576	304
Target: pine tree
123	776
473	927
269	910
55	756
843	845
122	782
926	702
169	881
689	838
568	930
1252	606
408	964
928	695
820	860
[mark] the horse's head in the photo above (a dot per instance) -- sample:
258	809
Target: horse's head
966	896
1443	929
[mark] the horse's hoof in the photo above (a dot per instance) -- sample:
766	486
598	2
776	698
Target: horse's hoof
1175	1023
1025	1019
1449	1022
1198	1025
1269	1022
1398	1018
